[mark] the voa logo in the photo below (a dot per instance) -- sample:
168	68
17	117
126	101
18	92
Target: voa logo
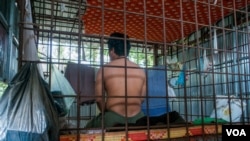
236	132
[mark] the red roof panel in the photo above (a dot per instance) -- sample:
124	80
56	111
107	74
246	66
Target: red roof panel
107	16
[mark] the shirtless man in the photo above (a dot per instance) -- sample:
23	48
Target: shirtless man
124	85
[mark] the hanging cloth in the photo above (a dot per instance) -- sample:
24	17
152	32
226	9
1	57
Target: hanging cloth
82	79
157	102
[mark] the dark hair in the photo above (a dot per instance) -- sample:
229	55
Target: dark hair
118	43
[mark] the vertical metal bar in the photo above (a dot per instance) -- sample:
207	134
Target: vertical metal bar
184	58
79	96
211	47
102	61
246	118
125	68
237	85
11	37
146	56
164	22
52	18
21	30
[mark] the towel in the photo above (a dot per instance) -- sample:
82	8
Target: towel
157	101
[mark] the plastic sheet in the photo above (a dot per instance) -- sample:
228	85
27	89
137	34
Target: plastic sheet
228	109
62	92
171	94
29	52
27	111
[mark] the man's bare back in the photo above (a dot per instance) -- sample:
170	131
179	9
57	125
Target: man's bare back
125	87
120	86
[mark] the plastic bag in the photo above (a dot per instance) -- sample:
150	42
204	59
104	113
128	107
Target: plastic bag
215	41
61	87
224	111
205	64
27	111
171	94
182	77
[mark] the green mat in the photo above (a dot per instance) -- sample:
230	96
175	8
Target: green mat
208	120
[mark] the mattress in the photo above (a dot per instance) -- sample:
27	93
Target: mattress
153	134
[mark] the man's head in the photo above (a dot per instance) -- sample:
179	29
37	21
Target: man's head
117	44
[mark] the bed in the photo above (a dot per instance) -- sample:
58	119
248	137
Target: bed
190	131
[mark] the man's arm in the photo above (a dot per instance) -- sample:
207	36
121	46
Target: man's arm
99	91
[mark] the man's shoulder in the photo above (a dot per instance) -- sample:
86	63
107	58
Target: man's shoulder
110	64
121	63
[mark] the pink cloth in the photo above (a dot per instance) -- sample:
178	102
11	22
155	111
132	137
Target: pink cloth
82	79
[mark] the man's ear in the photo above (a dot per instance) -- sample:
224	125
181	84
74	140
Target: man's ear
112	51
